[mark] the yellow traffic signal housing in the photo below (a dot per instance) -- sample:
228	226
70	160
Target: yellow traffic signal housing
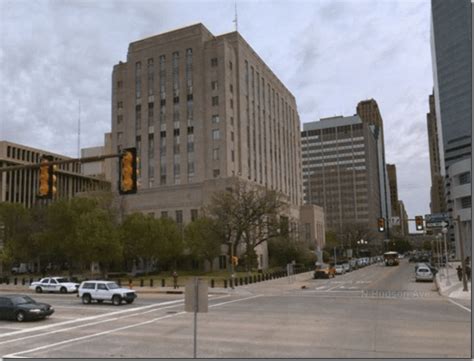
235	260
381	224
47	178
128	171
419	223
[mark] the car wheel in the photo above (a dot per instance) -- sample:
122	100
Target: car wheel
63	290
116	300
38	289
20	316
86	299
129	301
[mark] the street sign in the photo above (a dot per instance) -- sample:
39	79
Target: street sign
394	221
437	220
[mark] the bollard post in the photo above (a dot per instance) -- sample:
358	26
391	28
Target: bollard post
31	280
162	282
254	279
141	283
212	283
231	284
151	282
7	280
259	279
15	281
23	281
225	283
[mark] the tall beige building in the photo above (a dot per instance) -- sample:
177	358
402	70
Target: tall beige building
438	201
203	112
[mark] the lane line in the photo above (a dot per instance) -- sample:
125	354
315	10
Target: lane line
88	318
118	329
458	304
92	323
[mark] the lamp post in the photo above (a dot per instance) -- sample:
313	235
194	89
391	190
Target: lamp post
446	271
360	242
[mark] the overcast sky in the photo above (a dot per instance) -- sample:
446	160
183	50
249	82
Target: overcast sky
330	54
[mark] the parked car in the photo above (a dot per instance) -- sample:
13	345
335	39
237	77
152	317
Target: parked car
54	284
324	270
423	273
22	308
353	264
101	291
339	269
346	266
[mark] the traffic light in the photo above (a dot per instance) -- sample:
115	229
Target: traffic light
381	224
128	171
47	178
235	260
419	223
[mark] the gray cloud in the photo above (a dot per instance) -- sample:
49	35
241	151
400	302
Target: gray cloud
330	54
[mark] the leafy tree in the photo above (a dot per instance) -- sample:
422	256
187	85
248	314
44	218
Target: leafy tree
137	238
282	251
169	242
202	239
98	239
247	215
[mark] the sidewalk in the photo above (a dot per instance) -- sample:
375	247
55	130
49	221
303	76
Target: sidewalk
455	287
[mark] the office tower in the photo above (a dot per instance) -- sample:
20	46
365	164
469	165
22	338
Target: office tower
340	171
451	49
438	202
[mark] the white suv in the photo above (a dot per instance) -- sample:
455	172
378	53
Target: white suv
105	291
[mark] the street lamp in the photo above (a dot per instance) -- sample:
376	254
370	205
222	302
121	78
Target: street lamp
360	242
446	271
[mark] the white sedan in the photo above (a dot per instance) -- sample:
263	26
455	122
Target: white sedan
54	284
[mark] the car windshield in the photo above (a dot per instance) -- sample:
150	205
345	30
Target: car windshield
112	286
62	280
21	300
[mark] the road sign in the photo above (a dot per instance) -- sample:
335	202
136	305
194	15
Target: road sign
437	220
394	221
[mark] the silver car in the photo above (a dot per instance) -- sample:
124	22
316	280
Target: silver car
423	273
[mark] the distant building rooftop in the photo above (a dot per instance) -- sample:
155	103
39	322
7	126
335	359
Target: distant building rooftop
331	122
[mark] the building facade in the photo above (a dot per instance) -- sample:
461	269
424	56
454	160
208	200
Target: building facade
451	50
340	171
21	186
101	169
313	226
203	111
393	189
437	194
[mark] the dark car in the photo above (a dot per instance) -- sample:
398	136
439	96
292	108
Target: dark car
21	308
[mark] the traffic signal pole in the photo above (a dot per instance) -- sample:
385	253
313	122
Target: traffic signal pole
63	161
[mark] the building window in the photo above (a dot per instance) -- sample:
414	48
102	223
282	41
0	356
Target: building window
231	120
232	136
119	118
120	105
215	119
215	100
213	62
216	134
232	156
216	173
151	146
230	65
190	168
150	113
231	88
164	214
465	178
194	214
190	143
231	104
138	80
151	76
466	202
179	217
138	117
214	85
119	84
215	154
119	137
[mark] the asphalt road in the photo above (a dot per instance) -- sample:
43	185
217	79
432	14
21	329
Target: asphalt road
373	312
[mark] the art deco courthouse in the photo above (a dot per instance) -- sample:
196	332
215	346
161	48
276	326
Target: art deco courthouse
202	110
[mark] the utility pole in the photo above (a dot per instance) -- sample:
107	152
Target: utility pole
461	245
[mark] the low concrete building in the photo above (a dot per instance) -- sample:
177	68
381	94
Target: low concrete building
312	226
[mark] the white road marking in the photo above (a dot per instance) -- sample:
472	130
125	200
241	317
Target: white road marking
91	324
89	318
320	287
119	329
458	304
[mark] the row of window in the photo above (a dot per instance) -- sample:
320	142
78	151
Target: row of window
178	215
35	157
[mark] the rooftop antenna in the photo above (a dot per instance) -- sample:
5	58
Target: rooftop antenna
79	131
236	19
